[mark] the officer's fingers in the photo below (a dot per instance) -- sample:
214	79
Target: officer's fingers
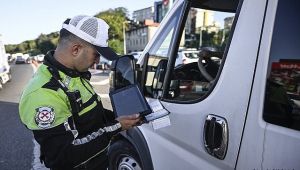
129	117
135	121
125	123
129	123
133	116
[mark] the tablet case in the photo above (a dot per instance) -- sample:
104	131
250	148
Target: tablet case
129	100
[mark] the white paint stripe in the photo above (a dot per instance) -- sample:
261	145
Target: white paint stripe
101	83
36	164
34	68
95	71
103	95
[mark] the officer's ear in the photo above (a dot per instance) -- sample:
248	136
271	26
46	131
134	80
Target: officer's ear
76	49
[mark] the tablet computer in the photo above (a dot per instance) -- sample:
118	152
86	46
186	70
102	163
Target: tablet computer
129	100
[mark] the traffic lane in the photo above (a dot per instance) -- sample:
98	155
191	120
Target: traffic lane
21	74
16	141
100	83
16	144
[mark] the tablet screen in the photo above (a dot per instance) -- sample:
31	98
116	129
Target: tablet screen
129	100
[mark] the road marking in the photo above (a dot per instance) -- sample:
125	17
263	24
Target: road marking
93	71
101	83
34	67
103	95
36	164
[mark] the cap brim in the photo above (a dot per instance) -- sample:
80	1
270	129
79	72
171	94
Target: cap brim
107	53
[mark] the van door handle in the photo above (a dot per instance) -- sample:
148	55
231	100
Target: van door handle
215	136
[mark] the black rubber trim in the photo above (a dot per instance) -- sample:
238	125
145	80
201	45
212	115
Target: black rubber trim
253	78
174	45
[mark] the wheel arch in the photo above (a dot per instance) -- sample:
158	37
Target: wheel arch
135	137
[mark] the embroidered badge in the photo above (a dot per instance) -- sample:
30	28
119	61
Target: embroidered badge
44	117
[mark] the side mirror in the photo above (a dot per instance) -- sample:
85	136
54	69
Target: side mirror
122	72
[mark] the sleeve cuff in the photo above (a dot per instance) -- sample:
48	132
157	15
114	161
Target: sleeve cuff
113	129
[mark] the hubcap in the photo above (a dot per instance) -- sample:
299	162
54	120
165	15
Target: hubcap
128	163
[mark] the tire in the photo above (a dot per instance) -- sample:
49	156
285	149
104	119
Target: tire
122	155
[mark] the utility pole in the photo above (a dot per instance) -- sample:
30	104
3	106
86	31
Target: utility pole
124	36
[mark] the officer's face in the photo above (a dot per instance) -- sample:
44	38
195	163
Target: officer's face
86	58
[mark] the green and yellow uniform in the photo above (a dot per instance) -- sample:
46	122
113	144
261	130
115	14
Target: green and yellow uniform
67	141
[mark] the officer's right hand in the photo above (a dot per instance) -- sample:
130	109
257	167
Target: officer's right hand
129	121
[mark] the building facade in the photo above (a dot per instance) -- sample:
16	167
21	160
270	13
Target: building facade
143	14
138	37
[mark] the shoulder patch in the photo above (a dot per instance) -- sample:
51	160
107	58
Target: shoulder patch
44	117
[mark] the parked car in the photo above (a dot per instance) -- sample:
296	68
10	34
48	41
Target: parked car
10	59
20	59
187	56
240	113
5	70
40	58
103	64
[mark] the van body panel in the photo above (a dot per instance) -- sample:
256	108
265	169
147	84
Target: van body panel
187	120
238	95
275	147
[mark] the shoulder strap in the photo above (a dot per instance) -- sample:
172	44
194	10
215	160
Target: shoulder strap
74	97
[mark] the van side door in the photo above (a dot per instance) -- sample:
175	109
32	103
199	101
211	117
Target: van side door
208	99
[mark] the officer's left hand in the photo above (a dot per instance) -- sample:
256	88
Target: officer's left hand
129	121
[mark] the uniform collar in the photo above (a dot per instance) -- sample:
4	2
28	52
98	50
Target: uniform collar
50	61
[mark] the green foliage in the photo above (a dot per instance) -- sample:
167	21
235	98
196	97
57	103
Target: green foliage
117	45
115	19
44	43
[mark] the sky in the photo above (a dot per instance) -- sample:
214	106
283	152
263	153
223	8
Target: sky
22	20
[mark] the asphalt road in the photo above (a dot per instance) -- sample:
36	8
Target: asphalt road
17	148
15	141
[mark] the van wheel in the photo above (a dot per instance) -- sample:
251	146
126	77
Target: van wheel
123	156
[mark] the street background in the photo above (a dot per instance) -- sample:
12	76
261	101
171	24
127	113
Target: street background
18	148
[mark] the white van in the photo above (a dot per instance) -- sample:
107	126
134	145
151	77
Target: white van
5	71
240	113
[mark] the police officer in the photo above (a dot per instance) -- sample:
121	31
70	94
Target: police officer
61	107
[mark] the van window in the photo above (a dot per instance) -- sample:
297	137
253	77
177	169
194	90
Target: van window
282	94
200	53
159	51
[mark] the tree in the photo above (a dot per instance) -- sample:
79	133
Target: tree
47	42
117	45
115	18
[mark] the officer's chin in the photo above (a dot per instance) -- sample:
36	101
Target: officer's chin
83	70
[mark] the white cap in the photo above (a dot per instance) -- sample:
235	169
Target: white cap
94	31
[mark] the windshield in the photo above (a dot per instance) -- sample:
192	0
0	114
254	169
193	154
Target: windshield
199	51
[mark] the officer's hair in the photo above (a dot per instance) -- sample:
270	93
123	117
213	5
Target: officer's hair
66	37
